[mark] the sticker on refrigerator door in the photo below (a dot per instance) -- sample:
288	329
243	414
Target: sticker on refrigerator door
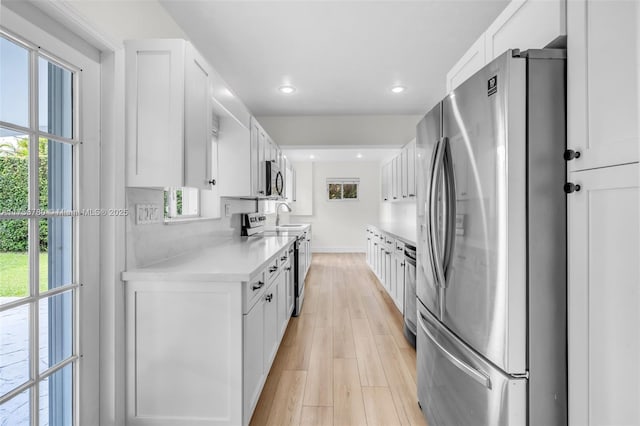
492	85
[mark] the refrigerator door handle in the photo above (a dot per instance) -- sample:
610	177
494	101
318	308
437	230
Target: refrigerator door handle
450	209
470	371
436	170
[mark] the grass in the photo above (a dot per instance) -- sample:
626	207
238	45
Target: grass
14	274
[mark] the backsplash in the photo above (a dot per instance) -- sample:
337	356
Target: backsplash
398	212
151	243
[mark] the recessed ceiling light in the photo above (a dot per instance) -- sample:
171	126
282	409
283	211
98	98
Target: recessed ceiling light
287	89
359	155
312	156
398	89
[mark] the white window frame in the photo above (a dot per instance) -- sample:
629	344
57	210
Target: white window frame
190	197
86	151
342	182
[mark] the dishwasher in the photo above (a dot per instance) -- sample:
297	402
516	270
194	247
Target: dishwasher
410	309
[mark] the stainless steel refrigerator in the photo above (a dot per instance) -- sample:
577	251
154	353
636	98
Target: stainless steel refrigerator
491	275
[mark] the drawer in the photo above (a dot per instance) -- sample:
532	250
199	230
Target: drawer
284	257
252	291
399	247
273	269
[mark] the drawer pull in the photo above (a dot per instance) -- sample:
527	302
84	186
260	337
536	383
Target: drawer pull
268	297
273	269
288	268
257	286
283	258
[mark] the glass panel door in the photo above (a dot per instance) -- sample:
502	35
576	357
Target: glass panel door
38	277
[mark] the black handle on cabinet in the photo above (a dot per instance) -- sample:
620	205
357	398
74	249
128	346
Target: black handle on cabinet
570	187
257	286
283	258
571	154
287	268
212	182
273	269
268	297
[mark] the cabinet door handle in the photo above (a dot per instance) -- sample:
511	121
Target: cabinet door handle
571	187
287	268
283	258
268	297
273	269
257	286
571	154
212	182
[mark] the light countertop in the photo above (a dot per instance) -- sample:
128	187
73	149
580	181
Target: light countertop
233	259
403	231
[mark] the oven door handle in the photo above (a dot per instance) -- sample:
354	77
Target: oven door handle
462	366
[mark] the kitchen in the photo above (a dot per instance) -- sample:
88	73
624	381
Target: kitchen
329	318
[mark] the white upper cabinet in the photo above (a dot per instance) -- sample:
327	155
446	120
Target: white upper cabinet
168	115
523	24
471	61
603	83
395	178
404	181
198	119
386	182
242	157
411	168
398	176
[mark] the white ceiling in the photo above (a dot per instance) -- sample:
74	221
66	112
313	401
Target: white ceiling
326	154
342	56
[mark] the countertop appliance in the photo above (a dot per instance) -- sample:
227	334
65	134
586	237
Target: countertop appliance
252	224
410	310
274	179
491	275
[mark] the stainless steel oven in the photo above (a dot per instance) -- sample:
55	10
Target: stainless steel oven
410	309
274	179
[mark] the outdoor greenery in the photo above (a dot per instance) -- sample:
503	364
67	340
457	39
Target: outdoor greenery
14	193
14	197
341	191
14	274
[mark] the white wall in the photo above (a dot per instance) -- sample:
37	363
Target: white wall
398	212
338	226
342	130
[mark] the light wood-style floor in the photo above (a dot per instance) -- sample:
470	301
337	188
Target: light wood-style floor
344	361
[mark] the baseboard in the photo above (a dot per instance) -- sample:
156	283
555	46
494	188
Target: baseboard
338	250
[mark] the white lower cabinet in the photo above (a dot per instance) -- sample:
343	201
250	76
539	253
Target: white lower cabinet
604	297
270	327
198	353
397	271
385	256
182	337
253	363
283	299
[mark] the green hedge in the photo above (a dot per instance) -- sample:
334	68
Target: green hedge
14	189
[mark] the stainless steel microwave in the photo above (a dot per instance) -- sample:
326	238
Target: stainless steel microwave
274	180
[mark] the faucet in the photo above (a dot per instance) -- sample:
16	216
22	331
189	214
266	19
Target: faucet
278	212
